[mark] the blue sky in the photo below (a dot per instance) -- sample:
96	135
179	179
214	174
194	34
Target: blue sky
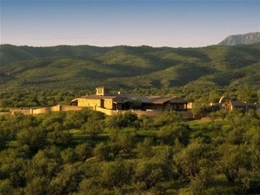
173	23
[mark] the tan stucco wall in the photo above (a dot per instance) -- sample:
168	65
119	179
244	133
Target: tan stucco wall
105	111
108	103
190	105
20	110
71	108
41	110
83	102
44	110
55	108
4	113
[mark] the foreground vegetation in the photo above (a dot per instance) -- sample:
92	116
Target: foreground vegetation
87	152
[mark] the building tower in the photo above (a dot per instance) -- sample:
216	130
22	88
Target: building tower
102	91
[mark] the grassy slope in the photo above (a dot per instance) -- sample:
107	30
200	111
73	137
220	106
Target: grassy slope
82	67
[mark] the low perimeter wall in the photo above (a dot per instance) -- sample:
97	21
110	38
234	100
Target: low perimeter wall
185	114
44	110
57	108
138	112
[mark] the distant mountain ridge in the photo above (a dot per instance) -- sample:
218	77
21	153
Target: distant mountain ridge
125	67
246	39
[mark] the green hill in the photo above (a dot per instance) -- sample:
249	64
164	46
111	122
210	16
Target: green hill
85	67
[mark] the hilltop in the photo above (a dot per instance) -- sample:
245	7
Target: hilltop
85	67
249	38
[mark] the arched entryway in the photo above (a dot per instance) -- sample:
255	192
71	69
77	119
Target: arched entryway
226	102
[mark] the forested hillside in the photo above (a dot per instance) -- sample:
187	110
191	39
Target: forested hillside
183	70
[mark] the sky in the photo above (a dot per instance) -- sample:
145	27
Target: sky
156	23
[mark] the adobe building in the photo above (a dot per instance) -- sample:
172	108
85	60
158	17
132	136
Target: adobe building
104	99
111	104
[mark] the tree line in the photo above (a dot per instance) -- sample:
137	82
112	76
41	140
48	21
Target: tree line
199	94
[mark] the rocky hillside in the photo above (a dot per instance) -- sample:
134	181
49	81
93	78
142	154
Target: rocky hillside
249	38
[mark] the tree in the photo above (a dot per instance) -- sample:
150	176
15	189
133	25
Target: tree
126	141
150	173
47	162
36	186
169	134
167	118
146	122
115	149
255	151
12	169
236	119
102	151
4	136
200	111
53	121
213	116
233	160
115	122
200	183
58	138
66	181
91	186
222	113
123	120
69	156
84	151
35	139
6	187
144	149
116	174
190	160
131	120
93	128
76	119
214	95
164	154
247	94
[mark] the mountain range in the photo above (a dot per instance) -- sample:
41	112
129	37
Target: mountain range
85	67
249	38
